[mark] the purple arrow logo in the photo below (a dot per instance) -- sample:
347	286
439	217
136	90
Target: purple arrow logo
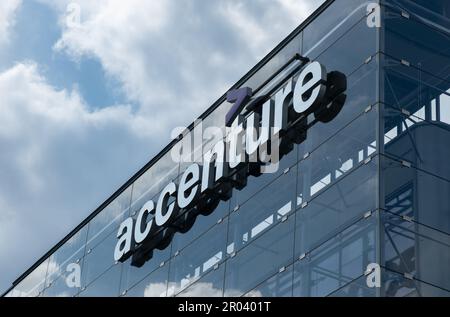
239	98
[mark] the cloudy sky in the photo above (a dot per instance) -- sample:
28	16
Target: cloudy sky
85	105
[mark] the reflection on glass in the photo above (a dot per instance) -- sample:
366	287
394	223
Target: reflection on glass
201	225
416	111
416	194
154	285
361	93
210	285
99	259
70	254
33	284
420	42
65	285
262	212
420	93
337	262
109	219
397	285
107	285
337	19
279	285
416	250
132	275
350	56
260	259
356	288
333	210
195	260
352	146
434	13
275	63
153	181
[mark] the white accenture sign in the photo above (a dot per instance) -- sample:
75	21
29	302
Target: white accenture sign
253	143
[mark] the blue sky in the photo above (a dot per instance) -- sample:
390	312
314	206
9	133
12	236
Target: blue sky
83	106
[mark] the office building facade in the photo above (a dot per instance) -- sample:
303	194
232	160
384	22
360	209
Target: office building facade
359	199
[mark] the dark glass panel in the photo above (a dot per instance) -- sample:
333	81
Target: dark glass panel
270	253
262	212
132	274
198	258
397	285
421	42
350	199
337	262
351	147
337	19
154	285
107	285
416	194
415	250
201	225
279	285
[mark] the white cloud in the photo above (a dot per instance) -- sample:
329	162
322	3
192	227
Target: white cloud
199	289
59	161
176	57
8	10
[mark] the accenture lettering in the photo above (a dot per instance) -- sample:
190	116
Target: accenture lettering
255	141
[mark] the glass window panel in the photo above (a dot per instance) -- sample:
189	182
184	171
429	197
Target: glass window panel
356	288
99	259
210	285
333	210
107	285
434	13
154	285
216	119
63	286
416	194
153	181
423	46
332	23
407	134
33	284
348	149
275	63
200	257
417	250
202	224
361	92
397	285
205	134
415	90
262	212
343	55
69	253
260	259
409	140
279	285
132	275
337	262
255	184
109	219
